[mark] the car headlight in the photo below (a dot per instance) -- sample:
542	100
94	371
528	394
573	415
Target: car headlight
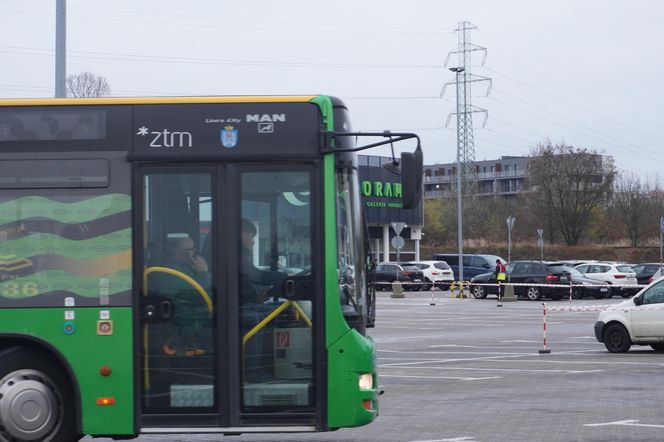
366	381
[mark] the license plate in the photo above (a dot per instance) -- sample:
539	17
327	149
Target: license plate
604	289
417	280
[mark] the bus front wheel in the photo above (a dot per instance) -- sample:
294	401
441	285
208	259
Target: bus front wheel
36	400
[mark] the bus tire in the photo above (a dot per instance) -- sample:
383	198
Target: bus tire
29	377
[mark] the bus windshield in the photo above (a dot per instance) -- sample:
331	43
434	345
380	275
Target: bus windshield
350	243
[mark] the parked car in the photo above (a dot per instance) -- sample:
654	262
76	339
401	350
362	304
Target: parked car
581	284
473	264
389	272
645	271
436	273
635	321
655	276
620	275
525	272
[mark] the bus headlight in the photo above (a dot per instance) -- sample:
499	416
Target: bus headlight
366	381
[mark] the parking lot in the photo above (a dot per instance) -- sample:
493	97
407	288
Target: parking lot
467	370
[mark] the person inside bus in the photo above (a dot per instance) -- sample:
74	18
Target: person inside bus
254	283
254	287
191	313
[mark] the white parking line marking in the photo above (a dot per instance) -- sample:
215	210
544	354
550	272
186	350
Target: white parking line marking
518	341
512	370
458	378
629	423
453	439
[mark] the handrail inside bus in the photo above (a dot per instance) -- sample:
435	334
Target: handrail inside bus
276	312
201	291
188	279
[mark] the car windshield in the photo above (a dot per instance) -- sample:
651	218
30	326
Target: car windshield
410	268
625	269
442	265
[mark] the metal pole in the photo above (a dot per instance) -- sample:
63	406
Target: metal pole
60	48
544	349
509	244
460	111
661	231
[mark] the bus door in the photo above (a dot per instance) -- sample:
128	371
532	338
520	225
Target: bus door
276	280
180	342
228	297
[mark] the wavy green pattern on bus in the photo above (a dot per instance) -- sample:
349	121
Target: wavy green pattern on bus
56	280
85	249
74	212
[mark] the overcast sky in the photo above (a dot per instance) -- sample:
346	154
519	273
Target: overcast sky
584	72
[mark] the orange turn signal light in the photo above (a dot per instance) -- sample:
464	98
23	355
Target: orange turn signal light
105	401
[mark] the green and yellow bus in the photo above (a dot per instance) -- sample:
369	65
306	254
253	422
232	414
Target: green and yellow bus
183	265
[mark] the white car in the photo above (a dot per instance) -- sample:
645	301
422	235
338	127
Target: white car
435	272
639	320
620	275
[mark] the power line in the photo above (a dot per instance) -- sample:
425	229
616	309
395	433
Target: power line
572	129
567	86
622	142
305	27
197	60
572	71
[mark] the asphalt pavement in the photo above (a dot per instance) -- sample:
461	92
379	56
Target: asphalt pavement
466	370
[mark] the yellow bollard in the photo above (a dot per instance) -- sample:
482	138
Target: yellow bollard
460	285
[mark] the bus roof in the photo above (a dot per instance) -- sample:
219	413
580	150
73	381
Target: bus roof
158	100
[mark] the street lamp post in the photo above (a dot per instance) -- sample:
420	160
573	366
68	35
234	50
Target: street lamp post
457	71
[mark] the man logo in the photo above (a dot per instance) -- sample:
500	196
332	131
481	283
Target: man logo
229	137
266	118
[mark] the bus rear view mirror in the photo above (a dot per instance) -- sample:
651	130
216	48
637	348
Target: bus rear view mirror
411	178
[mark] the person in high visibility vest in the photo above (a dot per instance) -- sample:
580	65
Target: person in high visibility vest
500	274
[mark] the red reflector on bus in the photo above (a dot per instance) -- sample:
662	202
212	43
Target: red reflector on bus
367	404
105	401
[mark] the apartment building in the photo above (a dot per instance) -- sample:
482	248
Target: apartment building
505	177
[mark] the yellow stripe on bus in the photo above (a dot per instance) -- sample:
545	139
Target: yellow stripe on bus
155	100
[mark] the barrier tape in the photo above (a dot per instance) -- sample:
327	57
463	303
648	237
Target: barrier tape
433	285
599	308
537	284
494	284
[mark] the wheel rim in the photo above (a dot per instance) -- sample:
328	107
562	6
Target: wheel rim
615	340
533	293
478	292
28	406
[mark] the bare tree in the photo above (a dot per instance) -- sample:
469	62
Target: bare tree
634	206
87	84
568	185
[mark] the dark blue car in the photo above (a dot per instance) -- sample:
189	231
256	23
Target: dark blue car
473	264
